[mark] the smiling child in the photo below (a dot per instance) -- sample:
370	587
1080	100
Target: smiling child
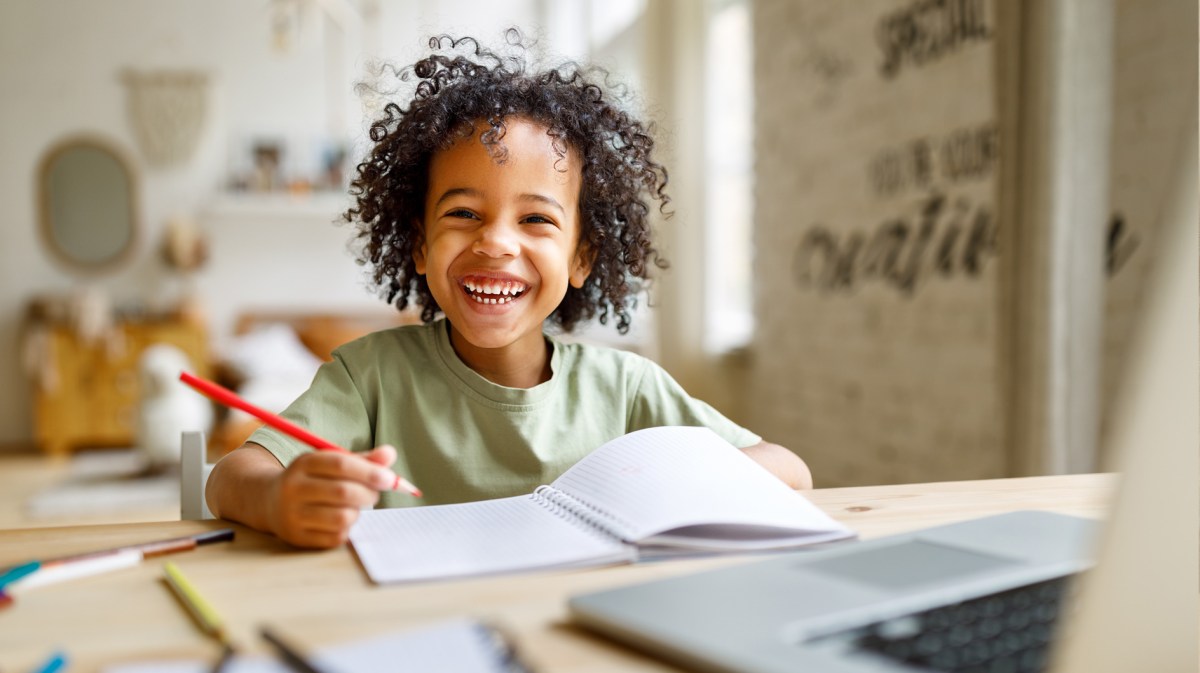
500	201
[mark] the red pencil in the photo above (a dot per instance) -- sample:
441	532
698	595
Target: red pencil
229	398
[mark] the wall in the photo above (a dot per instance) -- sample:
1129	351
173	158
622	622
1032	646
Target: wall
1154	84
876	351
871	378
853	378
60	62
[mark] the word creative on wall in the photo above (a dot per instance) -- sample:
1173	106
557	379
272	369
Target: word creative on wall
938	240
927	30
945	235
941	239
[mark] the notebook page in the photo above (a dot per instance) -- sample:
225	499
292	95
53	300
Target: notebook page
475	538
660	479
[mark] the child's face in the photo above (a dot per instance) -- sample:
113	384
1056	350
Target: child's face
501	240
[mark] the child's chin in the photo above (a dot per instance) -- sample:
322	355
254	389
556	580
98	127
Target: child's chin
482	332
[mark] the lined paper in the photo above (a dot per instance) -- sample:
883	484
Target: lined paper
491	536
661	479
677	486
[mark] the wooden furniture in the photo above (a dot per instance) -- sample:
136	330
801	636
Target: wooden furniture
323	331
93	396
324	598
319	332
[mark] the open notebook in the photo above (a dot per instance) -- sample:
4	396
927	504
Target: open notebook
653	491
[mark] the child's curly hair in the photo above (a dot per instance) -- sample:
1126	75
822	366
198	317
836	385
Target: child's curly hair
471	84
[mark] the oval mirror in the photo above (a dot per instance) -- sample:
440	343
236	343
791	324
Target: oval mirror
88	202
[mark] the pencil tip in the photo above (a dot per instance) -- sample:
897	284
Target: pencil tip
402	483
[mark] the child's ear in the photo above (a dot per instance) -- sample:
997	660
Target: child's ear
581	265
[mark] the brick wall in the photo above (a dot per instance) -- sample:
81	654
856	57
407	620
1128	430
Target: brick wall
876	354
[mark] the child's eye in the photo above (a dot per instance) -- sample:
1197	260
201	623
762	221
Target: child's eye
537	219
461	213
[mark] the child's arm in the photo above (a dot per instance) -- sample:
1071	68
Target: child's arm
311	503
782	463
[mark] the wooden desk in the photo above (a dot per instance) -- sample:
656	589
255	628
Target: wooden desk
24	476
325	598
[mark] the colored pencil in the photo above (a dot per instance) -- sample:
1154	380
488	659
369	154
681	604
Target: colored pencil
201	610
148	549
87	567
295	661
20	578
18	572
54	664
229	398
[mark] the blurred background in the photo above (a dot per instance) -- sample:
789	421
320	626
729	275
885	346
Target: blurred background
913	240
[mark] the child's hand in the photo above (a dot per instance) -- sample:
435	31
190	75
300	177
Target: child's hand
317	498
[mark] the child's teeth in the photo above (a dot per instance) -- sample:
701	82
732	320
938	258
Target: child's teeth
505	291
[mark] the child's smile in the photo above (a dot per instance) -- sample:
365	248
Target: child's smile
491	290
501	247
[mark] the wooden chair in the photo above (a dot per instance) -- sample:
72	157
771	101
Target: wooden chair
194	469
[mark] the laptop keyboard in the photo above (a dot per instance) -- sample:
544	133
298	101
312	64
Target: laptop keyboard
1007	632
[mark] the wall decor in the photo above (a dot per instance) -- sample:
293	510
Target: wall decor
167	109
88	203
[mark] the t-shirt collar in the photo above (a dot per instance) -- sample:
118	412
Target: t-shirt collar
487	389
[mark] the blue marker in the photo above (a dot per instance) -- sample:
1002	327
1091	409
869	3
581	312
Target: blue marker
17	572
57	662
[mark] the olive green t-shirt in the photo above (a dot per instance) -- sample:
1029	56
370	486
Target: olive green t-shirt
461	437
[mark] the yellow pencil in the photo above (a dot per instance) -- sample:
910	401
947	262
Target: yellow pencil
200	609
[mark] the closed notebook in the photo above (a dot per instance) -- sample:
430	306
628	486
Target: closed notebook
651	492
452	646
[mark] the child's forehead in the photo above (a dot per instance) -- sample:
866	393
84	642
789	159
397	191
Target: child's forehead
512	140
514	133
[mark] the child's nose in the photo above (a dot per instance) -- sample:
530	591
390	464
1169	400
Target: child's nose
497	239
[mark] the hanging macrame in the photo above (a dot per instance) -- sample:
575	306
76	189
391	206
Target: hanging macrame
167	109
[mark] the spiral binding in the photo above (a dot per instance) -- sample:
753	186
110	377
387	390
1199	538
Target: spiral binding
561	504
501	644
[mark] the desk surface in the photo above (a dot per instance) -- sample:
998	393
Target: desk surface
24	477
325	598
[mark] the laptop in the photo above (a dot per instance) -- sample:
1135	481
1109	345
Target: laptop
1024	591
1013	592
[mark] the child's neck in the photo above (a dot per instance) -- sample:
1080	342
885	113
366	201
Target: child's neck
523	364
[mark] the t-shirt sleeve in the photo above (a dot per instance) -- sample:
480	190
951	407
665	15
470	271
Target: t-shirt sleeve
332	408
659	400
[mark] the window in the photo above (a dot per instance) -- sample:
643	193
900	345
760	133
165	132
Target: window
729	162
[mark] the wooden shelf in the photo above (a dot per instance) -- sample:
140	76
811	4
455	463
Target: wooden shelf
328	204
